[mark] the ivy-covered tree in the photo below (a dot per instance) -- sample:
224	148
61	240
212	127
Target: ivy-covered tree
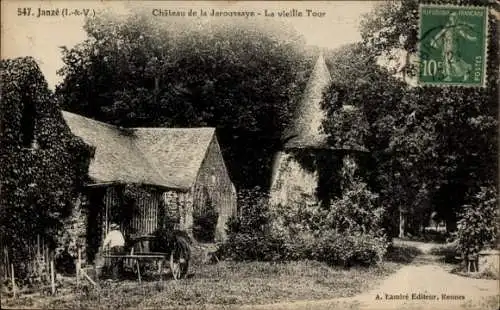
43	166
243	79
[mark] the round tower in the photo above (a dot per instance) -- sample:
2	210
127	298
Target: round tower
307	165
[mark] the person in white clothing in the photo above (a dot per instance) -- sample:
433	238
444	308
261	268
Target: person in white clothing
115	242
114	239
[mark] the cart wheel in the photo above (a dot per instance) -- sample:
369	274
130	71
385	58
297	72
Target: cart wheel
179	258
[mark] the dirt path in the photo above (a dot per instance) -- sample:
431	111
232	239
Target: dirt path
425	286
421	285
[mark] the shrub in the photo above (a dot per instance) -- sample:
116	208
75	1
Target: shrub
247	246
477	227
347	233
351	230
204	223
299	246
349	249
356	211
249	234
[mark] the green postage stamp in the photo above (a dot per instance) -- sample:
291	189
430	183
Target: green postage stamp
453	45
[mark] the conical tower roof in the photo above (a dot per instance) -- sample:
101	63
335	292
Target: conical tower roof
306	127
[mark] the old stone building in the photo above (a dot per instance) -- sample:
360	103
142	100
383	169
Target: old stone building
306	169
293	179
178	175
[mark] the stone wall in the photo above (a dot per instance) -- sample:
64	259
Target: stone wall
291	181
214	189
179	210
489	261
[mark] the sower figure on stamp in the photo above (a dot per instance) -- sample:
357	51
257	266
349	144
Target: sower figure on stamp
115	242
447	39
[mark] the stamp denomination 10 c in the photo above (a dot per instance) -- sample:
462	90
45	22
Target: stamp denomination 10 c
453	45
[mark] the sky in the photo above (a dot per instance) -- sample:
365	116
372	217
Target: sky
41	37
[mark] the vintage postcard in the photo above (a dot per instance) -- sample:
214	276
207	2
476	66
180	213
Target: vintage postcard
249	154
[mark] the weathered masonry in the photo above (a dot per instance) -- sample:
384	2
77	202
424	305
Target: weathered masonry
178	175
306	169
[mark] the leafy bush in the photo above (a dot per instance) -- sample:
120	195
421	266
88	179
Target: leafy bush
204	223
354	222
347	233
348	249
356	211
249	234
300	246
246	246
477	227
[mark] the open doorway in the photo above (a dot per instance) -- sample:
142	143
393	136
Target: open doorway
95	221
205	220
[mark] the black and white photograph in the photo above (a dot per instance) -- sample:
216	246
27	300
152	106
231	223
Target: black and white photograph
249	154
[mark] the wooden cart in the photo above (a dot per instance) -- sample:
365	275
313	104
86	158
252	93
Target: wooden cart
174	251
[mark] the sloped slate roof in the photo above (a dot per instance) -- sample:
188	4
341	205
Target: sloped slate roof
175	153
306	128
167	157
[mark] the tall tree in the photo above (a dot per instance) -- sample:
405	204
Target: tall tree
431	147
361	83
243	79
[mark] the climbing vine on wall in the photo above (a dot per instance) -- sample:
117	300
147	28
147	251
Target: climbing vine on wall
41	178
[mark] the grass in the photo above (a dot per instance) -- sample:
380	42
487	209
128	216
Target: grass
432	236
402	253
231	283
487	303
448	252
484	274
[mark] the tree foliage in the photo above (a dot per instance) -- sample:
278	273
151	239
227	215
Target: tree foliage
39	179
249	233
376	95
356	210
243	79
478	226
348	233
431	147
